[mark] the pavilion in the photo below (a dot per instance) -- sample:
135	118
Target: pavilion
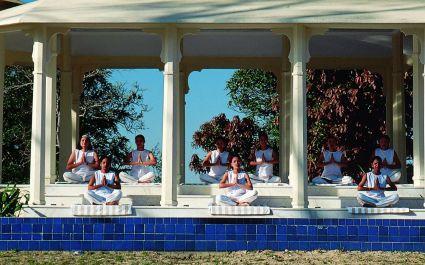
179	37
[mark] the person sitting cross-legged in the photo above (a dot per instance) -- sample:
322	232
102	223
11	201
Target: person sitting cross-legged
217	161
332	160
82	162
390	162
104	187
263	159
139	160
239	186
373	185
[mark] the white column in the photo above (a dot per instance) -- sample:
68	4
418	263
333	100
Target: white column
37	166
398	106
65	119
418	117
181	127
298	136
284	112
387	83
77	83
2	68
170	56
50	143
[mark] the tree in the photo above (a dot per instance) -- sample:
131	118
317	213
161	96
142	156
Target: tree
239	133
346	103
104	109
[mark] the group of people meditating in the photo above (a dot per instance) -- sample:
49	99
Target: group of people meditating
104	186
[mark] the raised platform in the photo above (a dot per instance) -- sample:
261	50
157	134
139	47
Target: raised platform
199	196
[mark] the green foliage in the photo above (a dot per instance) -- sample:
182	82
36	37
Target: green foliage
11	201
242	137
105	108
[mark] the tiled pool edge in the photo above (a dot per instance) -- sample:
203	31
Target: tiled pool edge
210	234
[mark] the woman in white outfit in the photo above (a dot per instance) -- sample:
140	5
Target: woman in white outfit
104	187
332	160
217	161
82	162
390	162
139	159
373	185
238	185
263	159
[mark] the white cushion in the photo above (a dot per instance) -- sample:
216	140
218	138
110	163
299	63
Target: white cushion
100	210
239	210
367	210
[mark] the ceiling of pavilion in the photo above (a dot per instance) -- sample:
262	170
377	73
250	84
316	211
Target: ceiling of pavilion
216	11
220	43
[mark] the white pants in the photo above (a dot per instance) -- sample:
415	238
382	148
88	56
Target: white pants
209	179
272	179
127	178
74	178
363	199
248	197
395	175
334	180
102	198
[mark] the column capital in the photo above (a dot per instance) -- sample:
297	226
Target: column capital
418	36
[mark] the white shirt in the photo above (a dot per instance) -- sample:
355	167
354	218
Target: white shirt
265	170
84	169
110	179
388	155
370	183
236	191
218	171
333	169
139	171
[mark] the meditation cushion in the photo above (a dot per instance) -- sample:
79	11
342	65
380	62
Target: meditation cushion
101	210
367	210
239	210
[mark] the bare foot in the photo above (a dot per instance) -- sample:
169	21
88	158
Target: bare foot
243	204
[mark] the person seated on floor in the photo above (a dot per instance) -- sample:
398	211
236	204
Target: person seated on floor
139	160
263	159
373	185
218	161
82	162
391	165
332	160
104	187
239	186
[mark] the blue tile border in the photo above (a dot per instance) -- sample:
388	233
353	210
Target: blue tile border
210	234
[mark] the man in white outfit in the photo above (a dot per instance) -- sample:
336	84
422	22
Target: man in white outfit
217	161
104	187
82	163
238	185
264	159
391	165
373	185
332	160
139	159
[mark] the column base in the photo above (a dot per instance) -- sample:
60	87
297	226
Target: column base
418	182
168	203
51	179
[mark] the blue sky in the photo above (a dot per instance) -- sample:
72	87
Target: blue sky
207	98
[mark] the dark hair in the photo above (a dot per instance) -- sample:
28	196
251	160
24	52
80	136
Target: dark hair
106	157
378	158
332	137
89	146
140	136
384	136
220	138
262	134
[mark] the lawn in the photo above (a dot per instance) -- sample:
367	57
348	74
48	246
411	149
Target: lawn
241	257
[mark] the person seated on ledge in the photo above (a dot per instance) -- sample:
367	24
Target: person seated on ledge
217	161
391	165
139	160
83	162
373	185
264	158
331	159
239	186
104	187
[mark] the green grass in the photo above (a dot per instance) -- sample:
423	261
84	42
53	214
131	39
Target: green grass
240	257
